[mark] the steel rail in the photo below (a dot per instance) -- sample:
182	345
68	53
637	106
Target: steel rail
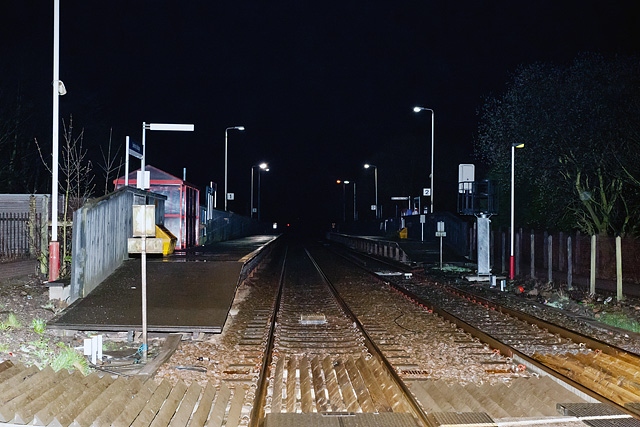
257	411
373	348
497	344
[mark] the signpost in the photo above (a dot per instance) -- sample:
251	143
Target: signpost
144	226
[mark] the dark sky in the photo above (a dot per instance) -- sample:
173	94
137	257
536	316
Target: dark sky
321	87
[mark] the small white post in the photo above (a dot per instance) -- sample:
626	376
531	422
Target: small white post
569	264
619	268
126	162
592	272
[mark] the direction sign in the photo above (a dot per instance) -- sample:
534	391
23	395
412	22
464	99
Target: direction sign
135	149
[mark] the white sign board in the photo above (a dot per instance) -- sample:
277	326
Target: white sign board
143	179
231	196
144	220
426	192
135	149
466	176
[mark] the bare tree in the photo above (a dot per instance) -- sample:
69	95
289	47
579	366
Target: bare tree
111	164
76	183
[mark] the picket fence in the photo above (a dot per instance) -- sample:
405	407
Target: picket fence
19	235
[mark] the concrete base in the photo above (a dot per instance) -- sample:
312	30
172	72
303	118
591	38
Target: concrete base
478	278
59	290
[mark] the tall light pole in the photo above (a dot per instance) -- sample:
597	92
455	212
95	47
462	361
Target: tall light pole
433	119
226	138
58	89
344	209
512	263
344	199
262	167
375	180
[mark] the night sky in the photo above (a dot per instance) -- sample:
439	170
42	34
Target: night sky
321	87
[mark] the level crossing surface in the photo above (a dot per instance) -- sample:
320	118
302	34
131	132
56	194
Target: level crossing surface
189	291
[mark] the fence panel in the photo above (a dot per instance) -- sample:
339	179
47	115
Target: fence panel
100	233
580	253
17	233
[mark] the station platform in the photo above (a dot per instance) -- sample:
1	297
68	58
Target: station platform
189	291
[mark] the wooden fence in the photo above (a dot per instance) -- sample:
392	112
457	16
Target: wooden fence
101	229
565	256
19	235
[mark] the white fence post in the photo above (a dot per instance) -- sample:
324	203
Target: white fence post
619	268
592	270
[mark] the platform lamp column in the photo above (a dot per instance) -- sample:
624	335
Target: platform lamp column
263	167
344	199
226	145
375	182
512	263
266	169
58	89
433	119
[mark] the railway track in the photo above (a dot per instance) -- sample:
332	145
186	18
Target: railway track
323	361
599	369
313	341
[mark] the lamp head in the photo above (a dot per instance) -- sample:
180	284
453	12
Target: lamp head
263	166
61	89
367	165
239	127
417	109
518	145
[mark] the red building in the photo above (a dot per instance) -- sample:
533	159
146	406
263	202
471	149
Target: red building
182	207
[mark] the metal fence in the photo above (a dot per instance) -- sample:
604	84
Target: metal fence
19	235
224	226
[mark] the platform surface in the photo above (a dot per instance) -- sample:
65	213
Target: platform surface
186	292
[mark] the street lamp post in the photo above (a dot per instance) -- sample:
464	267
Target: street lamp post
226	138
262	167
433	118
58	89
375	180
512	263
344	199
